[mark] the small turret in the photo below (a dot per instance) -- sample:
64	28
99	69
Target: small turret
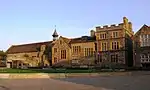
92	33
55	35
125	22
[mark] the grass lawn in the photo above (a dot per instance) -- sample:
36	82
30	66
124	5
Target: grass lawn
9	70
45	71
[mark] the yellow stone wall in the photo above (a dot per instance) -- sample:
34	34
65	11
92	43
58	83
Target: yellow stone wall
32	58
109	39
125	33
60	44
83	45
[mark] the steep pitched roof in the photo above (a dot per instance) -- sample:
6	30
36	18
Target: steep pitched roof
66	40
32	47
144	27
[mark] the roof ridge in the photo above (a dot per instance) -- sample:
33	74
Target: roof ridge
30	47
31	43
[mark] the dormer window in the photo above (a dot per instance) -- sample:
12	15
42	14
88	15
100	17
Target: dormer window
84	37
60	42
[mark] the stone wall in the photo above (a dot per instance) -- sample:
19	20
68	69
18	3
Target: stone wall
31	58
83	46
60	44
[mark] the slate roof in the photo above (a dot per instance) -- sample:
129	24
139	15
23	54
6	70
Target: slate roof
82	39
24	48
32	47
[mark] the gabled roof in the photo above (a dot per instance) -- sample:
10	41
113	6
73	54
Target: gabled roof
144	27
24	48
67	40
82	39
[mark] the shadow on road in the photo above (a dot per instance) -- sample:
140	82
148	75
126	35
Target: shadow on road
4	87
115	82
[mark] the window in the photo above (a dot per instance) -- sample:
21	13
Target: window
99	58
103	36
76	49
63	54
115	45
55	50
115	34
144	57
88	51
55	60
85	52
79	48
60	42
114	58
145	40
104	46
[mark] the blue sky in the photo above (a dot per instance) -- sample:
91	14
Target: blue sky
27	21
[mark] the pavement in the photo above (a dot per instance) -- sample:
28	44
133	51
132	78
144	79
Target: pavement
57	75
43	84
135	81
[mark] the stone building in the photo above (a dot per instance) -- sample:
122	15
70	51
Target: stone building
107	45
30	55
142	47
114	44
73	50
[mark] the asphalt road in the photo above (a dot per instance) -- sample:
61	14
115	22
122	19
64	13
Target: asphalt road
43	84
137	81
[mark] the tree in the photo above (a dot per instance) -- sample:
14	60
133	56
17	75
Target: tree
41	54
2	53
3	58
26	57
30	60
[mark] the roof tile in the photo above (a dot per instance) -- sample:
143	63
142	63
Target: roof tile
26	47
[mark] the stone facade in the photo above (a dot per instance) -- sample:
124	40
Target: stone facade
107	45
59	46
85	52
114	43
142	47
72	50
2	60
28	55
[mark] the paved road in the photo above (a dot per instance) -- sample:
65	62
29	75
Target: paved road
43	84
133	82
137	81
